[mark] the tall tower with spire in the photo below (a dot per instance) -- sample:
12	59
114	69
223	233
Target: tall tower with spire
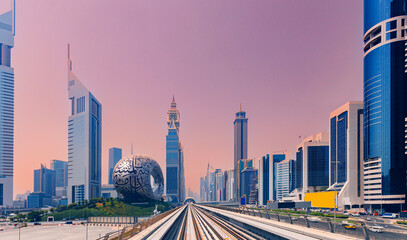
240	146
175	182
173	115
84	141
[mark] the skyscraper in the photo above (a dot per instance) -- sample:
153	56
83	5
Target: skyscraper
7	28
247	182
346	155
115	154
268	177
84	141
240	147
219	185
44	181
265	186
385	103
202	189
61	177
230	183
284	178
174	158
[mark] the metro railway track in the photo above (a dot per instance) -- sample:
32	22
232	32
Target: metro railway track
195	222
237	232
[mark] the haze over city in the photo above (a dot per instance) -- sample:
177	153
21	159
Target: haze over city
289	63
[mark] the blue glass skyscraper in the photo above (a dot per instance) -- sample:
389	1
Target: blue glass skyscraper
44	181
6	108
61	172
174	158
115	154
385	104
61	177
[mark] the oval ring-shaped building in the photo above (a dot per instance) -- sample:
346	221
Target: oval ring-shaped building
138	177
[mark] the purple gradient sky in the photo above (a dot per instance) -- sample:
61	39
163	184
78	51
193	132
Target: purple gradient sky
290	63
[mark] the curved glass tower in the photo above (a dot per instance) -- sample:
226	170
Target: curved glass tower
385	104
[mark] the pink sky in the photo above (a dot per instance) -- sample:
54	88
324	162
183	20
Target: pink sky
290	63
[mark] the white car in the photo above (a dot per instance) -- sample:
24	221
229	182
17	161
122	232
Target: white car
376	229
313	219
355	214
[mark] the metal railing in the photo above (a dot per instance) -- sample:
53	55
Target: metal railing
130	231
317	222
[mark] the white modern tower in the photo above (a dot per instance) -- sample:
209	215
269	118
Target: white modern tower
84	141
346	155
6	108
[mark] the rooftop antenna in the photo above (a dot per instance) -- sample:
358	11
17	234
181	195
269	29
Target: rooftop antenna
69	58
13	24
240	106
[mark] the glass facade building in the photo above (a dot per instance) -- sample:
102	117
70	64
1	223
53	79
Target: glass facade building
277	158
6	108
346	155
312	165
264	179
115	154
248	183
285	178
298	169
385	103
318	168
175	188
84	141
61	172
44	181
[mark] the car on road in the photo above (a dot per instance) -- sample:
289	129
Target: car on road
369	219
376	229
350	226
68	222
37	223
355	214
389	215
313	219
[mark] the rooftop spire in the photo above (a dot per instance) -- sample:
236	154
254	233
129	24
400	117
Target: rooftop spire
69	58
173	103
240	106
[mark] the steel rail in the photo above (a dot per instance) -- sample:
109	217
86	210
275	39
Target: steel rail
246	234
198	235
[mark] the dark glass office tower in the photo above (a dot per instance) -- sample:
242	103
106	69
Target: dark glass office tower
240	147
385	104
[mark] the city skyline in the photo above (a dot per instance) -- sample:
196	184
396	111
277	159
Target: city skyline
261	85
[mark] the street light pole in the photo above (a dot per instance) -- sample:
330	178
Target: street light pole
336	205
